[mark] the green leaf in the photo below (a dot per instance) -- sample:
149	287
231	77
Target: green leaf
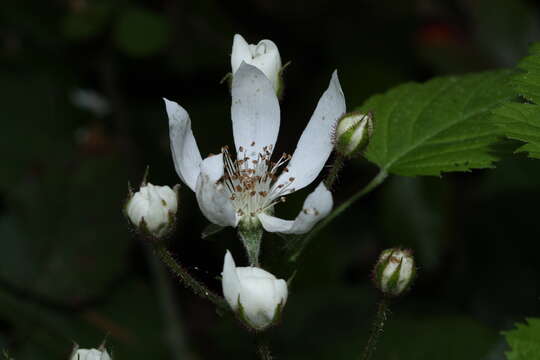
528	82
521	120
439	126
524	341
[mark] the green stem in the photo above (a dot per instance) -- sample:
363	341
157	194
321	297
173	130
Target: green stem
377	328
263	349
175	334
187	280
376	181
334	171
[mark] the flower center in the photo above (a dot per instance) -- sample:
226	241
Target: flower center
250	180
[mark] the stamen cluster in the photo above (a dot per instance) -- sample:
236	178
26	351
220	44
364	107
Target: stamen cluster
251	182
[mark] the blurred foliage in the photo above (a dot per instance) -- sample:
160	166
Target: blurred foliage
524	340
70	270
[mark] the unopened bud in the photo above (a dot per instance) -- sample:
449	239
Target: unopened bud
353	133
152	209
394	272
264	56
256	295
90	354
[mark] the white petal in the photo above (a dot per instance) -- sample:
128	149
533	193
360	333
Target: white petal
240	52
169	196
316	206
105	355
315	144
254	110
281	291
257	298
185	153
269	61
254	272
230	281
213	198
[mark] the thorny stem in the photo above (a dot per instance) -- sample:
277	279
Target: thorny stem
174	332
186	279
377	328
263	349
331	178
376	181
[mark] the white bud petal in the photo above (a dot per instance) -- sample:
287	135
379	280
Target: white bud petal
254	291
154	205
264	55
90	354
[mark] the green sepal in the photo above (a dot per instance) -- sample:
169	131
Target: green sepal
392	285
250	231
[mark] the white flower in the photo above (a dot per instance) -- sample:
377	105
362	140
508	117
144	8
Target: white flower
259	293
264	56
229	190
90	354
153	206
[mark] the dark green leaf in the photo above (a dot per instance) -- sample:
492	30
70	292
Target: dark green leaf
518	120
442	125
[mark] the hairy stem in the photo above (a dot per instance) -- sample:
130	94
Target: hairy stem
187	280
334	171
376	181
263	349
377	328
175	334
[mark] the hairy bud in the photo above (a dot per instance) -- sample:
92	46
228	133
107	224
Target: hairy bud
353	132
394	272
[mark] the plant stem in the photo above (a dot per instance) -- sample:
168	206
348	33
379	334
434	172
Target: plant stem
377	328
376	181
334	171
263	349
187	280
175	334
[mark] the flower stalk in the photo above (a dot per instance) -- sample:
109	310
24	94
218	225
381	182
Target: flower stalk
263	348
377	328
186	279
374	183
332	176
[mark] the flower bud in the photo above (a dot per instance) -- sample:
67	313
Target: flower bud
256	295
353	133
90	354
264	56
394	272
152	209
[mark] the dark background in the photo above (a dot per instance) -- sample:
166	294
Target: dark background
71	271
